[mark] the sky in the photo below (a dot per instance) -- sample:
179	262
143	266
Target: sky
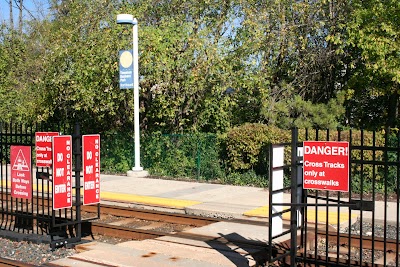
32	8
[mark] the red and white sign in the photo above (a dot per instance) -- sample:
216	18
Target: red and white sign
21	177
62	172
326	165
43	148
91	168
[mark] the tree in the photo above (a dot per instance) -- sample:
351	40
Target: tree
78	81
374	30
184	64
284	52
204	65
16	99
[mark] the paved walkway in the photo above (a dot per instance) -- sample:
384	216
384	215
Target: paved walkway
201	199
225	201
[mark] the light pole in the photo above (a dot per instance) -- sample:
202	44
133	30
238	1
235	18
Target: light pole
128	19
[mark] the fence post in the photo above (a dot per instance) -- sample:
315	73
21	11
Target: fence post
293	198
78	167
198	157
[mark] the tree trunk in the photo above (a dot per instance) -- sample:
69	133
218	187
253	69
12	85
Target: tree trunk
392	109
21	3
11	15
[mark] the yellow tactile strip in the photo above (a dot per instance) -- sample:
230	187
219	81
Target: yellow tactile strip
148	200
311	215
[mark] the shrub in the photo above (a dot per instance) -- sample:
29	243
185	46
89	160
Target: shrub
182	155
249	178
247	146
116	152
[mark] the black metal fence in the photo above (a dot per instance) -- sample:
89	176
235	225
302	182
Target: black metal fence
333	228
34	219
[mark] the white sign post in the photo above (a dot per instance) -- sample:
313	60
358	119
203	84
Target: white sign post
277	184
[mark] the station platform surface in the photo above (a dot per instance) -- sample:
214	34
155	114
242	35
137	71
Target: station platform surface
222	248
216	200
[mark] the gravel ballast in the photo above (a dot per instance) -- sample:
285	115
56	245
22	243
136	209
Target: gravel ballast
36	254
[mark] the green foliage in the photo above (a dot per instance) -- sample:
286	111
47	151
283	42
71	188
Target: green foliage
247	146
371	41
296	112
169	155
194	155
249	178
116	152
374	28
285	56
206	66
76	72
16	97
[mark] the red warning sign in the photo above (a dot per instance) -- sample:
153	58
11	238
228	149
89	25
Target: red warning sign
326	165
43	148
91	168
62	172
21	177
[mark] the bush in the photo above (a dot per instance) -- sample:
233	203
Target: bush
247	146
190	155
116	152
240	157
249	178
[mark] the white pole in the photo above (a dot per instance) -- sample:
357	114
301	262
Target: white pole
128	19
137	166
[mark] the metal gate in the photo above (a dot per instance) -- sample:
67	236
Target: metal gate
327	228
34	219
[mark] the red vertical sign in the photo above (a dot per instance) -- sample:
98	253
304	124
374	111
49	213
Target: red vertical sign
62	172
91	168
21	177
326	165
43	148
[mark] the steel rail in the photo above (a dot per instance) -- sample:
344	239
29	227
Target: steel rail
369	242
152	215
8	262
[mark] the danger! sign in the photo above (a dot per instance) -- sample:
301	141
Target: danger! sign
21	177
62	172
326	165
43	148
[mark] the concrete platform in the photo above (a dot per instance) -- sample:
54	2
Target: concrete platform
155	253
227	243
220	244
212	200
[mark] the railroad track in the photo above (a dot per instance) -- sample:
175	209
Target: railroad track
343	242
151	215
339	246
121	231
7	262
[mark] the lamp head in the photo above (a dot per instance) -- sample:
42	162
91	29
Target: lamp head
126	19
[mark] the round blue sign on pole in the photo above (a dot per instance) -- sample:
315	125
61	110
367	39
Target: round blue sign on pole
126	69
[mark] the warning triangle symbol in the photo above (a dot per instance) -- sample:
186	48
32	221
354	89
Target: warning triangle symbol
20	163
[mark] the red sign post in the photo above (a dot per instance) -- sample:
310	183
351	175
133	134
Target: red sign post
21	177
62	172
326	165
43	148
91	168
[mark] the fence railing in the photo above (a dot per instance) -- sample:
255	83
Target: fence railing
33	218
354	227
